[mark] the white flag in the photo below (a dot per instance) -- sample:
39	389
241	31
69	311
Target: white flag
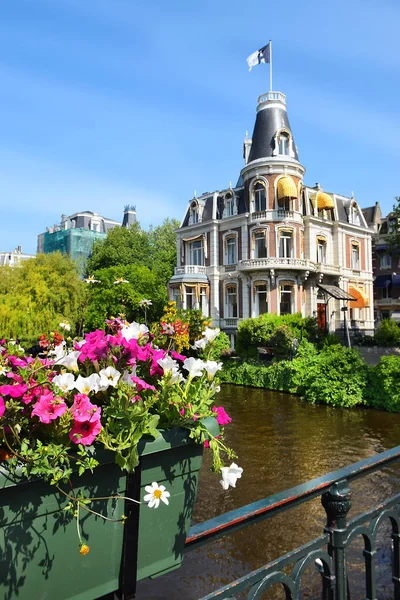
259	56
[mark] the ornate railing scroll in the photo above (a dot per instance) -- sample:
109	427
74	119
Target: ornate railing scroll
328	552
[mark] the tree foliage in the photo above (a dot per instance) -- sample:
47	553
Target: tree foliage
37	295
146	259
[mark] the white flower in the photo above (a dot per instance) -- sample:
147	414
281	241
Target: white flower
3	370
210	334
71	360
65	382
200	344
145	303
85	385
167	364
195	366
120	280
212	366
134	331
168	329
230	475
91	279
65	325
176	376
127	377
108	376
155	494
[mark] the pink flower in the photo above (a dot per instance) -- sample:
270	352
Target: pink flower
96	346
48	407
222	416
135	399
85	432
156	355
177	356
14	391
2	407
17	362
207	443
141	384
82	409
182	411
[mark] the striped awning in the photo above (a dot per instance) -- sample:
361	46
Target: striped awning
324	200
361	297
286	188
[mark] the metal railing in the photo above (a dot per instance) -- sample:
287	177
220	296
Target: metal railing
327	551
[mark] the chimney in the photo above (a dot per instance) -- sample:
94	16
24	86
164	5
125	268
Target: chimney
129	215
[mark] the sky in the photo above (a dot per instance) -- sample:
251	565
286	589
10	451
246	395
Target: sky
110	102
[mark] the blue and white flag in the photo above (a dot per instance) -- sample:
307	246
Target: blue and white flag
263	55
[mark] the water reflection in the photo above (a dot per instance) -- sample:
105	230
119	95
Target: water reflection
282	442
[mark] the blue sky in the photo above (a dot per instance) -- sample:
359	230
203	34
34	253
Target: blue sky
108	102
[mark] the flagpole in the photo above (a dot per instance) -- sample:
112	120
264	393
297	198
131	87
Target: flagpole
270	65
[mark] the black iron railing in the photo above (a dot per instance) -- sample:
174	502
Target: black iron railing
327	552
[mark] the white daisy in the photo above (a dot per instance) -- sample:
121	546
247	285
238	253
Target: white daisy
155	494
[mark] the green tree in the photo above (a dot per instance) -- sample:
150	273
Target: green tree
37	295
154	250
122	246
107	299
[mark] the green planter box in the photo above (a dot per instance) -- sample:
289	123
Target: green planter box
39	553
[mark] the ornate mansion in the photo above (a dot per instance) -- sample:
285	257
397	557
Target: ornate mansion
273	244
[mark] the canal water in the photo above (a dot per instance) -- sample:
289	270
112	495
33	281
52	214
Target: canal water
281	442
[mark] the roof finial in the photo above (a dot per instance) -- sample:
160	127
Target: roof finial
194	194
230	185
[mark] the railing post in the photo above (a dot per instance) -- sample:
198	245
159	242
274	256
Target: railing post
336	502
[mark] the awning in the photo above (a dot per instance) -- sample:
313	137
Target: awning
381	247
382	281
335	292
396	280
323	200
286	188
361	297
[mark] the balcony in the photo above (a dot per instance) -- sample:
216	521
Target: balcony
229	322
230	268
298	264
387	302
190	270
327	269
276	215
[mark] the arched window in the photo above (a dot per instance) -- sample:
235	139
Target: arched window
354	216
231	250
259	197
193	214
283	147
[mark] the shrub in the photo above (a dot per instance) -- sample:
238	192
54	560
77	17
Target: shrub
221	347
256	332
336	376
282	341
383	390
388	333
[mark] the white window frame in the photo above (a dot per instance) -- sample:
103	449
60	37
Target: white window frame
193	213
231	250
321	251
196	253
260	235
176	296
256	298
355	258
190	291
231	307
256	196
284	144
286	235
292	299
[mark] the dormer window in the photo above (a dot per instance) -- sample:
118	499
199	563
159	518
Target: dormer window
193	214
259	197
284	144
229	205
354	216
